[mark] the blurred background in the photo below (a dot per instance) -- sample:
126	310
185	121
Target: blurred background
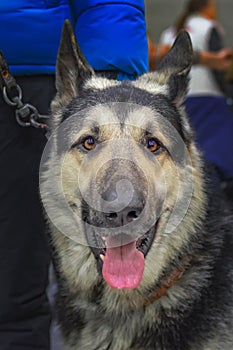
162	13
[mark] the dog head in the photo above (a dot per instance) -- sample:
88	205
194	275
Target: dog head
123	160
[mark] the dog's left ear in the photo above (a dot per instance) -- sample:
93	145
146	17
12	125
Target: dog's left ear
72	69
177	64
174	68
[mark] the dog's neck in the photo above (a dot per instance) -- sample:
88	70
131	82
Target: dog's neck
169	281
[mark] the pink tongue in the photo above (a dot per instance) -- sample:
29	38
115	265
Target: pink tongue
123	266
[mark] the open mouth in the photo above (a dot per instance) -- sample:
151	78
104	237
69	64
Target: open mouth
121	257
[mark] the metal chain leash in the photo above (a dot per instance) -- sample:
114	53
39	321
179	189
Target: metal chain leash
26	114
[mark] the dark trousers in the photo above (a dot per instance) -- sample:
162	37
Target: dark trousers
24	253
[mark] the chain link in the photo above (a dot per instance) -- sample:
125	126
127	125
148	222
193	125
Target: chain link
26	114
8	100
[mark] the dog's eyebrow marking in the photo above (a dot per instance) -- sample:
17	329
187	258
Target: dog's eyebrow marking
95	130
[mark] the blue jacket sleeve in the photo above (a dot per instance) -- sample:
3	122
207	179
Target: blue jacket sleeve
30	34
112	35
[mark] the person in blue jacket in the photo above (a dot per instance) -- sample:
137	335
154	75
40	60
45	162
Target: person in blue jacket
112	36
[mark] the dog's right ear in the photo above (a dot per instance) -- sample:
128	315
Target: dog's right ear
72	69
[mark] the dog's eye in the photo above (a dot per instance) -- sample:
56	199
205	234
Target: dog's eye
153	145
89	143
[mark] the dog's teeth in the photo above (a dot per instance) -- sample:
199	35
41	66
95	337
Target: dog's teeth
102	257
104	239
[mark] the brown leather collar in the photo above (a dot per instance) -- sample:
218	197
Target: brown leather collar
169	281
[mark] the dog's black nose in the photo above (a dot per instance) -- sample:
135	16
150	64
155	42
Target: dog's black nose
124	216
122	211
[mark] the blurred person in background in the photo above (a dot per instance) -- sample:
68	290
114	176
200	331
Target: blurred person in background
206	102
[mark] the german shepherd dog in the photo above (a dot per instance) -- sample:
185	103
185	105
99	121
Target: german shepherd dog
141	239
